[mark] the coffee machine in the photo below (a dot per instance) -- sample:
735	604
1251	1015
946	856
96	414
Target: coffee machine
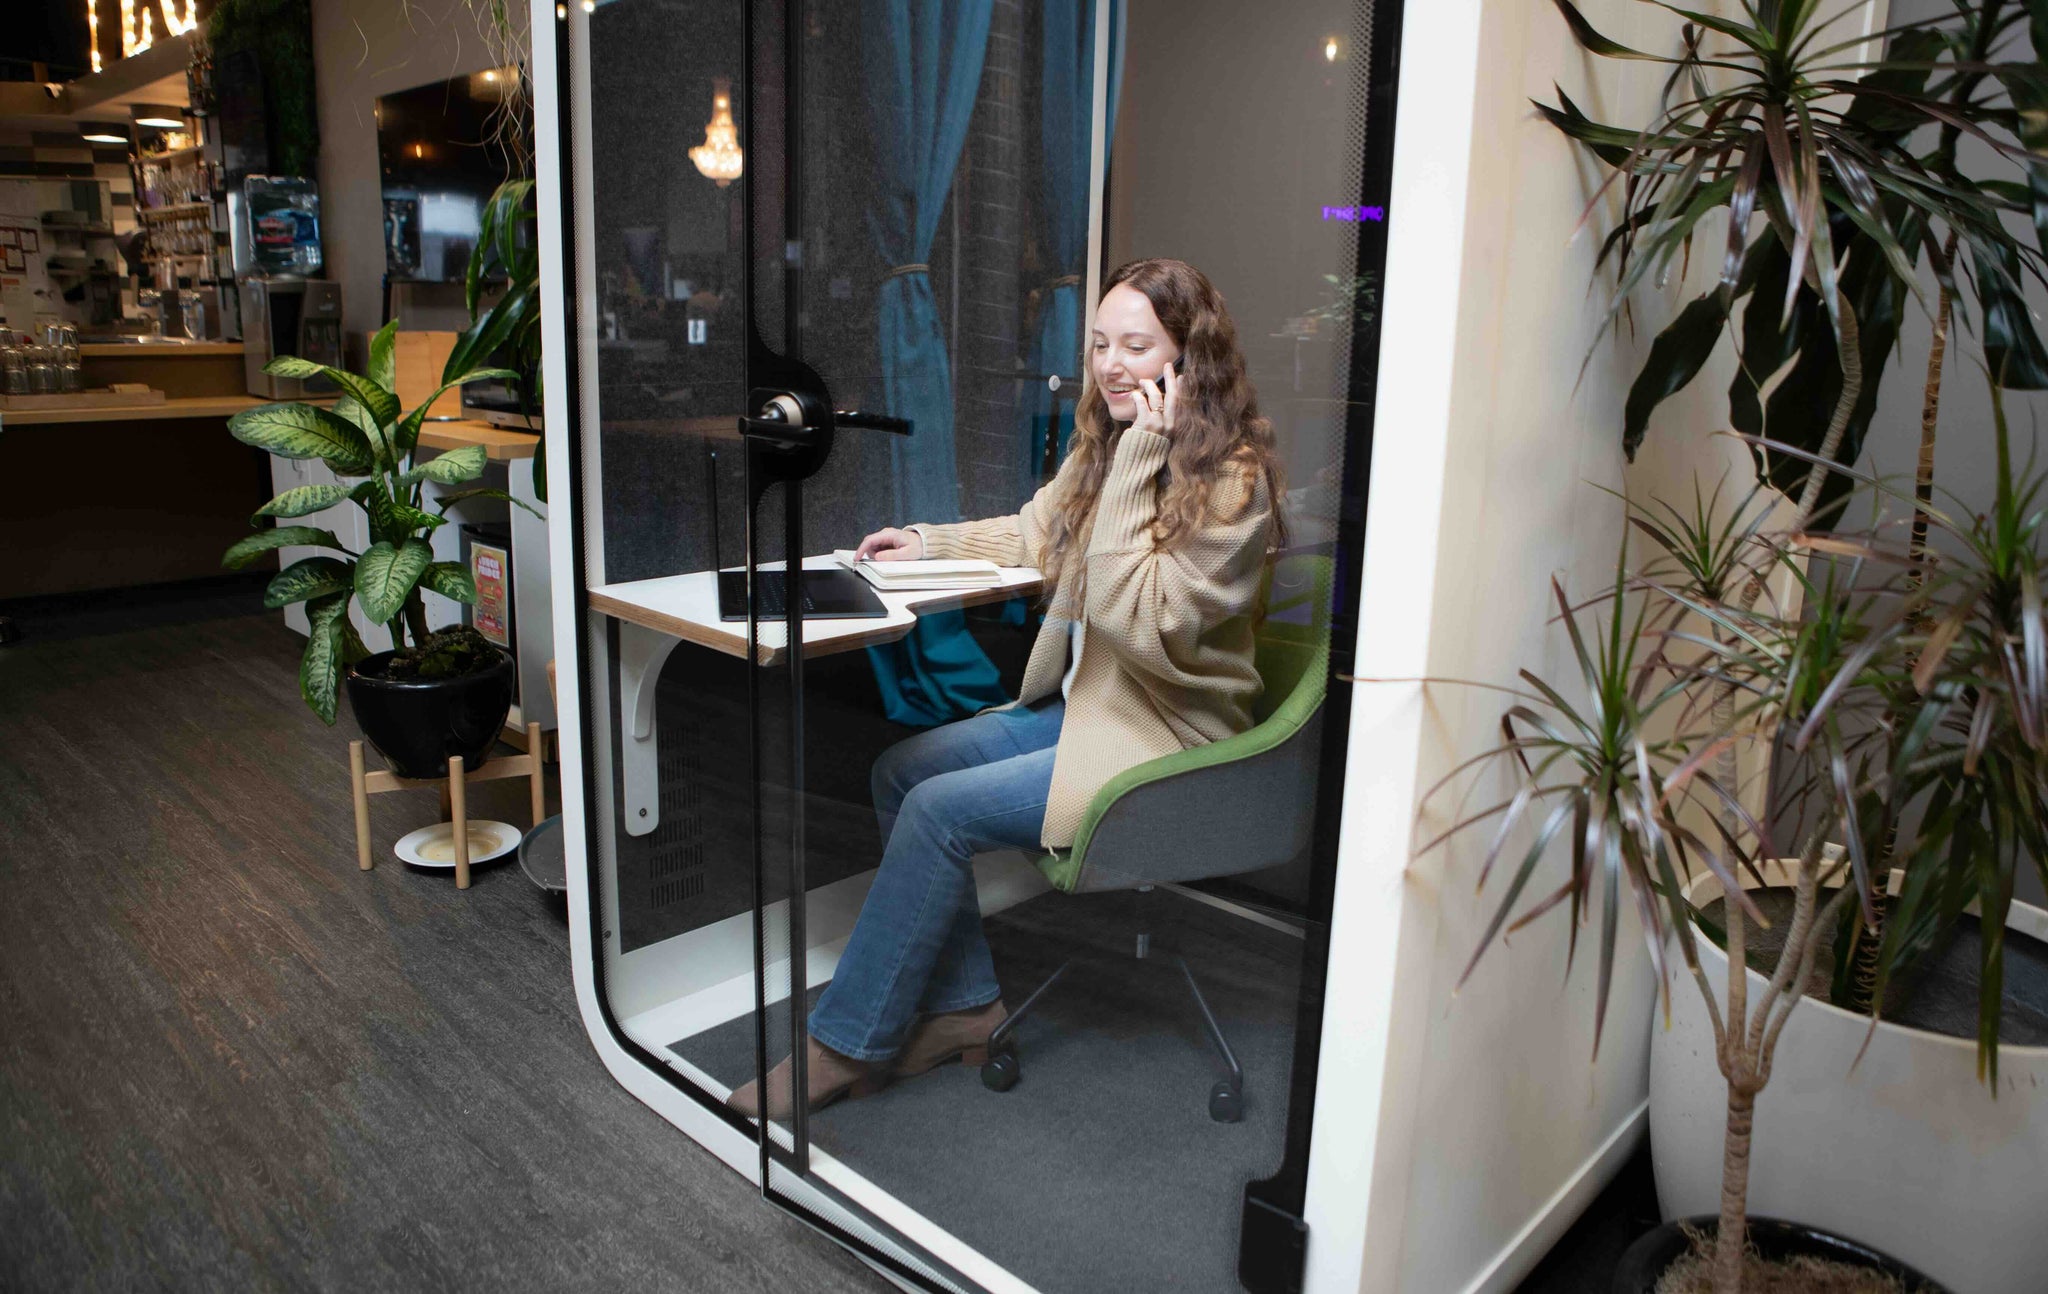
285	316
274	233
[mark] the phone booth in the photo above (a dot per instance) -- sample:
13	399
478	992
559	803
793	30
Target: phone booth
813	269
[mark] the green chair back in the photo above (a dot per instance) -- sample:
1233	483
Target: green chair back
1292	646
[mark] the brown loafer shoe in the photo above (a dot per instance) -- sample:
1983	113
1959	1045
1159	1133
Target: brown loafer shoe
956	1035
829	1074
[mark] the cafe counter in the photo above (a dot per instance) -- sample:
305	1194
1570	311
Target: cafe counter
97	497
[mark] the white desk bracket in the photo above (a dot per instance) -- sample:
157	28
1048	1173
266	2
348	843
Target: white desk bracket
642	653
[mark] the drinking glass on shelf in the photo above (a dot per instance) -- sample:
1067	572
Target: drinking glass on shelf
42	373
13	365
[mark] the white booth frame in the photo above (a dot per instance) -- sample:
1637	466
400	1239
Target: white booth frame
1459	255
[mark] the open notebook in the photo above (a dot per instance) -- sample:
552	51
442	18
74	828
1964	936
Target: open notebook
903	577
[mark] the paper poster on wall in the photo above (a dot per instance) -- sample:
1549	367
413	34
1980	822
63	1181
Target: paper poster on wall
15	261
31	241
10	238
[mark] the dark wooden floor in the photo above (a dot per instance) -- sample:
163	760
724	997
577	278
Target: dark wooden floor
229	1060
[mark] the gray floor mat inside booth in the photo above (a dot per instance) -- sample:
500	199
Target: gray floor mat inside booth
1101	1169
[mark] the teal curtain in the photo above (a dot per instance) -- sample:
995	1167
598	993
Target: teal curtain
923	61
1068	95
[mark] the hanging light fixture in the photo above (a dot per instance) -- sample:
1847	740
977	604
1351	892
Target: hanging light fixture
157	116
718	157
103	132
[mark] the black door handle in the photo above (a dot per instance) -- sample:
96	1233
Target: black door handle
871	421
781	422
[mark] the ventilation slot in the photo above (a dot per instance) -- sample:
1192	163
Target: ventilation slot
675	870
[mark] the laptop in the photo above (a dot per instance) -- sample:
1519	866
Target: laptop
827	595
835	594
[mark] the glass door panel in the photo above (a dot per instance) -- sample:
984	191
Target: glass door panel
928	195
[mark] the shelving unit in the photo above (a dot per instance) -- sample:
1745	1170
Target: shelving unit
149	214
187	237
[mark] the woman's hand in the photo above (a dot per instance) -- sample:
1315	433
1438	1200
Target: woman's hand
891	545
1156	405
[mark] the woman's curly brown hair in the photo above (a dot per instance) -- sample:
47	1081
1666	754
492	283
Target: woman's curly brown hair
1217	424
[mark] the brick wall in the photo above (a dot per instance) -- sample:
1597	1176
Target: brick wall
991	189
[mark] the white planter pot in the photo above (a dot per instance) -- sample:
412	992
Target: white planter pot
1906	1151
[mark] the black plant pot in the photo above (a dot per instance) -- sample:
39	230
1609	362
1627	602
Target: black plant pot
1644	1262
417	724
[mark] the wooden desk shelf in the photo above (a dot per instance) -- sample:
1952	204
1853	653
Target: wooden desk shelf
655	615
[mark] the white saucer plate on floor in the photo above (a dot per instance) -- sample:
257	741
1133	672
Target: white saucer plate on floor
435	846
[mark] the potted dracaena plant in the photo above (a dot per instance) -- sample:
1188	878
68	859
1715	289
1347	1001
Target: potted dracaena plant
1781	114
510	325
1853	166
1856	166
1909	702
431	695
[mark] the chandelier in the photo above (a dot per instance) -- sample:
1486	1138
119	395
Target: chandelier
718	157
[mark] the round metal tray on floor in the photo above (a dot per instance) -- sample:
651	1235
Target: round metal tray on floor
540	856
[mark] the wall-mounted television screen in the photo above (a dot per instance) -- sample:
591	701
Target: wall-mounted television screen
443	148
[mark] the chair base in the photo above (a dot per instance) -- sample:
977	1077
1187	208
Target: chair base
1002	1070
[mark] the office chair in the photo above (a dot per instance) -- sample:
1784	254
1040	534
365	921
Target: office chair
1232	806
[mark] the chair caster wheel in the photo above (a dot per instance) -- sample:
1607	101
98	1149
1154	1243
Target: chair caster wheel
1000	1072
1226	1103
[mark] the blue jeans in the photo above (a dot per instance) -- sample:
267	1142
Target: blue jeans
942	796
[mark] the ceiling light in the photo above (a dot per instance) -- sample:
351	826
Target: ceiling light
490	74
103	132
718	157
1331	48
158	116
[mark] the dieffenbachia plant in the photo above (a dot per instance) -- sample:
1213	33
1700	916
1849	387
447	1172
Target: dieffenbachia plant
367	436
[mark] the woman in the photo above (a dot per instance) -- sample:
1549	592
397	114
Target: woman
1153	539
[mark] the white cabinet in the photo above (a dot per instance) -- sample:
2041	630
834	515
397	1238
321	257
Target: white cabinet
533	595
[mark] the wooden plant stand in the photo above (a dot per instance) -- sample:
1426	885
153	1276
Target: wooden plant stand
454	793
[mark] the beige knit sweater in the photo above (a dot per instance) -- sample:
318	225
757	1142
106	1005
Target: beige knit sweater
1166	653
